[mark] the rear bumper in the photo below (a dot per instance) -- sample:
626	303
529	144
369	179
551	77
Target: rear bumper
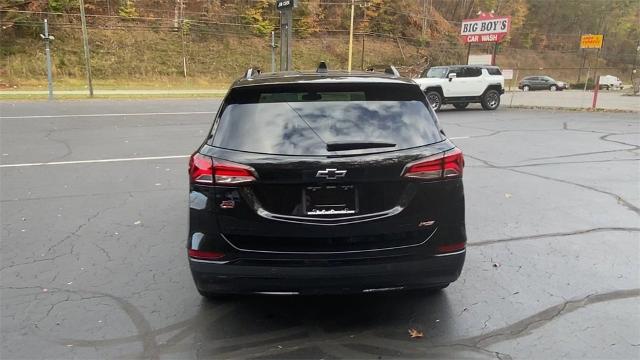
327	279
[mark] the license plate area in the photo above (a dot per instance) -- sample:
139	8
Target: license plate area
330	200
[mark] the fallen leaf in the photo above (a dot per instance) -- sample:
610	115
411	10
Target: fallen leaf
495	265
415	333
507	195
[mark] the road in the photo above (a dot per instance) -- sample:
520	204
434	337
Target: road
94	219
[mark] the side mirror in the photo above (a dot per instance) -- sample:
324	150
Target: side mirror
452	76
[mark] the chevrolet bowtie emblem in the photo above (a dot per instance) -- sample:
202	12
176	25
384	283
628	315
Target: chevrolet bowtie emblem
331	174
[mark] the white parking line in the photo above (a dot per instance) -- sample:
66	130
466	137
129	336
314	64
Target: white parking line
459	137
95	161
104	115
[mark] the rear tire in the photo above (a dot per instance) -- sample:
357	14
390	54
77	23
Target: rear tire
553	88
460	106
435	99
490	100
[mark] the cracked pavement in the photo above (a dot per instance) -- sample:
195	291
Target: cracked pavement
93	263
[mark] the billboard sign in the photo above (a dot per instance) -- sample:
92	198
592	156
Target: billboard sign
591	41
485	29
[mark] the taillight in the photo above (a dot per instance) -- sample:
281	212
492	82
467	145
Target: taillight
201	169
205	255
449	248
441	166
206	170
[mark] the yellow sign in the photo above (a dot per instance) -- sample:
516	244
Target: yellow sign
591	42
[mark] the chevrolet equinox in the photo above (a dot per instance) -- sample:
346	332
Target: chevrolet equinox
325	182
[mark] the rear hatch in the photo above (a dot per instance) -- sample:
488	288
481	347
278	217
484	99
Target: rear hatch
327	164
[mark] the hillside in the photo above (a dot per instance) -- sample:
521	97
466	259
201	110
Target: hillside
148	42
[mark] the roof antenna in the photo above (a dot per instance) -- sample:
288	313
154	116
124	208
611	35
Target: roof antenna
322	68
391	70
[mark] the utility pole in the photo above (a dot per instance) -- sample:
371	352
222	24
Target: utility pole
85	42
286	33
353	7
290	39
47	38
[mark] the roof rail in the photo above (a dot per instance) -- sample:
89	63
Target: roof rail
322	68
391	70
251	72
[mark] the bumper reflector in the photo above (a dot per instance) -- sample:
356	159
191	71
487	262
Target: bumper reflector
449	248
205	255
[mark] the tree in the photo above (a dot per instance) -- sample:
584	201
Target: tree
257	15
127	9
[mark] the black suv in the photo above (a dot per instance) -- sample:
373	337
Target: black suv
325	182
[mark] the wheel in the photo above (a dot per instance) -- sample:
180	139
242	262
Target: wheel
435	99
490	100
526	88
553	88
460	106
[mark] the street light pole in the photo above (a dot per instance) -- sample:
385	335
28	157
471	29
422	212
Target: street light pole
353	5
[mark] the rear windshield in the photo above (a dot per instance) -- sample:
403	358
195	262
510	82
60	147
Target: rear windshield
301	120
494	71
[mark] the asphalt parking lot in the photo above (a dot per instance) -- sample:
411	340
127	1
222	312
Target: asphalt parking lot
94	219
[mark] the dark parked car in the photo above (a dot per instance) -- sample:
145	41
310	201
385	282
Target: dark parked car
325	182
541	83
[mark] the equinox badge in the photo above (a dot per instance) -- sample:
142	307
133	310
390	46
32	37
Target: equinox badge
331	174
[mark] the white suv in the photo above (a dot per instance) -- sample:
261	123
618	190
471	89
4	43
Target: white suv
462	84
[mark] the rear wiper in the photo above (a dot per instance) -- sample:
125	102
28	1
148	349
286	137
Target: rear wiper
355	145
